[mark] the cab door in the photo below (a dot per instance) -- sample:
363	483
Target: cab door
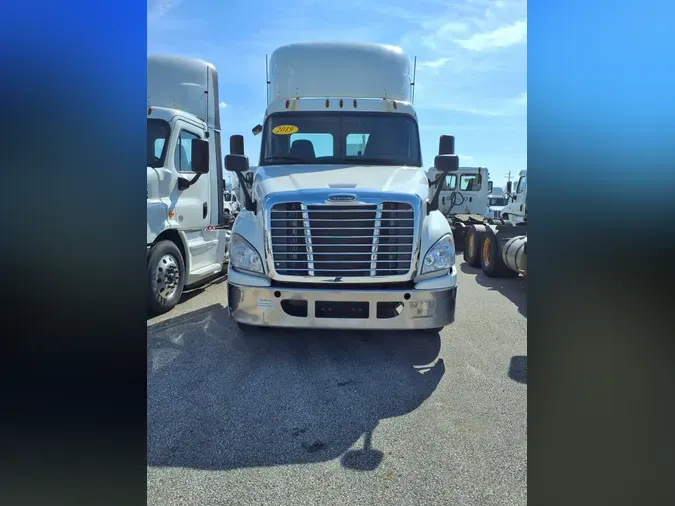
190	207
466	193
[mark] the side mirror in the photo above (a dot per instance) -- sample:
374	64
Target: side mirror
490	186
446	145
200	156
236	145
236	163
508	187
446	163
257	129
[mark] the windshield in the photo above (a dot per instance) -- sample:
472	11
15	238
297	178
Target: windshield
317	138
158	134
227	197
496	201
522	184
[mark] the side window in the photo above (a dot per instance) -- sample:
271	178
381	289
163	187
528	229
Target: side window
522	185
356	144
182	157
159	146
234	198
450	183
470	182
322	144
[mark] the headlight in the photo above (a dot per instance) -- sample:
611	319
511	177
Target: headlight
244	257
441	256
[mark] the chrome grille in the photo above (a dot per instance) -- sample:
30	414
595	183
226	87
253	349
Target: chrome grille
373	240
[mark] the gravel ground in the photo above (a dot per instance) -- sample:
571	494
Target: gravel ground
336	418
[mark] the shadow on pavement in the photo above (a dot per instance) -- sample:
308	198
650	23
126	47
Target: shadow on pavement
514	289
518	369
218	399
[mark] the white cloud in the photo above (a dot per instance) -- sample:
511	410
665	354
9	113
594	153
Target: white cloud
223	105
434	64
158	9
503	37
515	105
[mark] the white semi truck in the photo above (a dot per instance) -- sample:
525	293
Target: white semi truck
186	242
463	198
332	237
499	246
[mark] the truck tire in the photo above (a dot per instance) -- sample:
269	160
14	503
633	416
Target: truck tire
166	277
491	260
474	238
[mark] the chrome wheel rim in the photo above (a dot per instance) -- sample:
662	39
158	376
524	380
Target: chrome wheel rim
167	275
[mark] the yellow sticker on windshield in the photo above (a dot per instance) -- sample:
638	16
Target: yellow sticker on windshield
285	129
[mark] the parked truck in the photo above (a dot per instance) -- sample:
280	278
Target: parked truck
499	246
338	237
463	198
186	242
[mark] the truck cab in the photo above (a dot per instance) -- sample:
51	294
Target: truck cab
516	210
496	204
231	205
465	191
338	228
184	178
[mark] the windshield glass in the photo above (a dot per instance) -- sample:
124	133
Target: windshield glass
496	201
317	138
158	135
522	184
227	197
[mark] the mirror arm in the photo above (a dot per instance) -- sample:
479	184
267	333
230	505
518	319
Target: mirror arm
184	184
249	204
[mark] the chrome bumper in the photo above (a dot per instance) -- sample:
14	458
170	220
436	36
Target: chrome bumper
301	307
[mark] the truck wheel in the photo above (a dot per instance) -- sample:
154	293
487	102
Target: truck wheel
474	238
491	260
166	277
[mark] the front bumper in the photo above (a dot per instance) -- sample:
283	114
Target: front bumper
305	307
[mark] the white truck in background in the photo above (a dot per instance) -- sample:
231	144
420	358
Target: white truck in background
499	246
186	243
463	198
332	236
516	210
496	204
231	206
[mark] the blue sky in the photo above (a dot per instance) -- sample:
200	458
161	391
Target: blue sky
471	62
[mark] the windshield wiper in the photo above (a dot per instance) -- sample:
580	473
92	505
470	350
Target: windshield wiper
295	159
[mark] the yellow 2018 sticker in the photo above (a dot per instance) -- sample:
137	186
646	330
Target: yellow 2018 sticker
284	129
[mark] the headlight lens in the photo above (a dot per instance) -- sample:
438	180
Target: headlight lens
244	257
441	256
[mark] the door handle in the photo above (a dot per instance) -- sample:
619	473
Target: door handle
470	199
205	210
521	207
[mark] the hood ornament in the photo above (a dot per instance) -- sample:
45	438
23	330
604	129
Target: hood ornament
342	197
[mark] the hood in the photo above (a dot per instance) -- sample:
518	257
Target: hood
496	208
287	178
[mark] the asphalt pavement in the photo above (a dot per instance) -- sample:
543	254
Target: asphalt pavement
340	417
